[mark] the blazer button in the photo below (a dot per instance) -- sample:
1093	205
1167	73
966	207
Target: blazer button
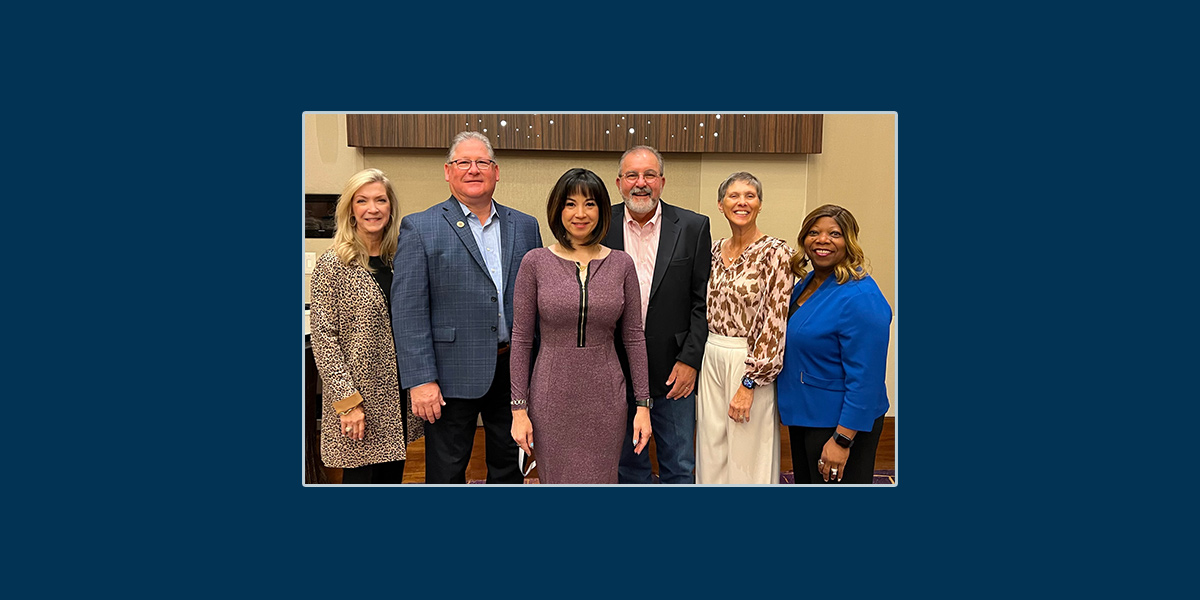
493	298
493	328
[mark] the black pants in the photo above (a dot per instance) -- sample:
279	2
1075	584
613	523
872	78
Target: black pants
807	443
388	472
448	441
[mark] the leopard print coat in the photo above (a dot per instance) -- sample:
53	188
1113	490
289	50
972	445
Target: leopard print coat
354	351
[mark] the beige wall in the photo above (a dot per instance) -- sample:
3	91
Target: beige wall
856	169
328	161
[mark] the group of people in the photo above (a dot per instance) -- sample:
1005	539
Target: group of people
632	324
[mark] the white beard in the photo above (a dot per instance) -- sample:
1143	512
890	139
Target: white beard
637	205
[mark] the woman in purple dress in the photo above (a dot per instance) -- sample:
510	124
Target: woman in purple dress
575	294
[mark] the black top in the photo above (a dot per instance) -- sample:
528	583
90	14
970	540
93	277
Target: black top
383	276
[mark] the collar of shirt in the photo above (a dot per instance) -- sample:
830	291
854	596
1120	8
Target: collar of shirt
635	226
468	214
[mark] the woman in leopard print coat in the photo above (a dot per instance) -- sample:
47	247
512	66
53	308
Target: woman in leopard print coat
366	423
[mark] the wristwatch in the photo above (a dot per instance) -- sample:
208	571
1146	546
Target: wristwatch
748	383
648	403
843	440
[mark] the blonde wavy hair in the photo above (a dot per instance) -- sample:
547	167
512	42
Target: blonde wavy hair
854	265
346	243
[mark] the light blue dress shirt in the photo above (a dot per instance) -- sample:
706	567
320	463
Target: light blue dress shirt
487	237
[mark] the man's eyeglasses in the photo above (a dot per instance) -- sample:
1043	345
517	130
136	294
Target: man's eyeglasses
649	176
463	165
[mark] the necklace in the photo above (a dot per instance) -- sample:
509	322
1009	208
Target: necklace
736	251
578	257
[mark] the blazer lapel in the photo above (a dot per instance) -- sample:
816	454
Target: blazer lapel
508	234
820	295
668	235
458	222
616	229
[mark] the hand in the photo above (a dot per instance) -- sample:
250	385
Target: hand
427	401
682	381
739	407
522	430
833	461
354	425
641	429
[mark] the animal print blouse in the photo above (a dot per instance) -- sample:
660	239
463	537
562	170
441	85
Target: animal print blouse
749	299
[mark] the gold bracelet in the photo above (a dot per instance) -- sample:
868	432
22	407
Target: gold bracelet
347	411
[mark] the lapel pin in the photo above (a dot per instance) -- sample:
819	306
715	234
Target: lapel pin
460	223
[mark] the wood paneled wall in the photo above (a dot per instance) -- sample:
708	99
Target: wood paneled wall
759	133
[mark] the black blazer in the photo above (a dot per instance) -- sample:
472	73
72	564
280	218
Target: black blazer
677	317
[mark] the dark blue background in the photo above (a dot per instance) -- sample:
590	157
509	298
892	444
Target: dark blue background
194	138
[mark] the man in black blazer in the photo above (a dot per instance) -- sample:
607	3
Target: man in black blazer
672	250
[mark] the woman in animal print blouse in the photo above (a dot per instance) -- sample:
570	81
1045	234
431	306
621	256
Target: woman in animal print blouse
737	422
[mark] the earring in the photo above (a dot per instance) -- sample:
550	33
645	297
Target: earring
353	222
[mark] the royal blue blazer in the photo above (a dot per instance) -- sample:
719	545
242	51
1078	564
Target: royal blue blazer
835	356
445	313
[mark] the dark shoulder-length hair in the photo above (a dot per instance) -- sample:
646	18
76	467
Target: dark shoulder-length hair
854	266
585	183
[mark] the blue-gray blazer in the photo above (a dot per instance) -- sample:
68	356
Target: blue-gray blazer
444	316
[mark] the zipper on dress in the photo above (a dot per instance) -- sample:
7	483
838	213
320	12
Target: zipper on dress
581	339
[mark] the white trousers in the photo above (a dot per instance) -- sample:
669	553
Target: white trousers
727	451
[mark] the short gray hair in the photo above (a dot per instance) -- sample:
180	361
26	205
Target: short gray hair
744	177
621	163
470	135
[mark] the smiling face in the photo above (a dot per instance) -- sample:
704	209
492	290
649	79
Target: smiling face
580	215
371	210
741	204
825	244
641	181
472	186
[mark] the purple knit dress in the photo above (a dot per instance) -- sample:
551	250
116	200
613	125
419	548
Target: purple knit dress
576	393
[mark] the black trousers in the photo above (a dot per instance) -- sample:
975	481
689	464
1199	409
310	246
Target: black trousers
807	443
448	441
388	472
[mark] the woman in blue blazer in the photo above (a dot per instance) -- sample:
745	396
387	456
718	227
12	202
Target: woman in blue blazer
831	390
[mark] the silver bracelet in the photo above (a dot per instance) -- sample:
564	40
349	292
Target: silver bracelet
518	403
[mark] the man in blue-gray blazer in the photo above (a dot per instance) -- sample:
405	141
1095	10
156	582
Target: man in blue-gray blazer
452	292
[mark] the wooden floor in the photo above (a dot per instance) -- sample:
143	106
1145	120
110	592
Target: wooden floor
414	470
